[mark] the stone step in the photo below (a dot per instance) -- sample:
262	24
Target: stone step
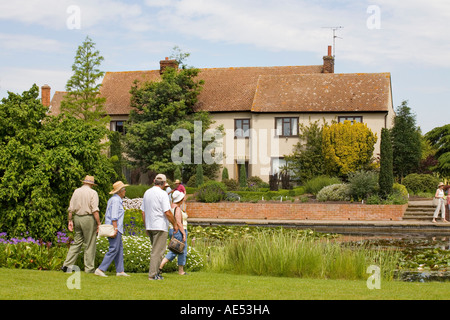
421	218
416	208
418	214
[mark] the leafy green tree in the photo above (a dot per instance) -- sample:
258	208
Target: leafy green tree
386	177
306	161
160	108
42	160
83	99
440	139
347	147
406	142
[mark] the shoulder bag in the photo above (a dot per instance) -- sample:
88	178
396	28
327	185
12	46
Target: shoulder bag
175	245
106	230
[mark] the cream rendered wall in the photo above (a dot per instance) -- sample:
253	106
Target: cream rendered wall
263	145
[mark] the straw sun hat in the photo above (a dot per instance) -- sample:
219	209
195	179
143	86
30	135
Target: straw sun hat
89	180
117	186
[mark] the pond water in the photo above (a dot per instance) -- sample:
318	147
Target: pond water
423	258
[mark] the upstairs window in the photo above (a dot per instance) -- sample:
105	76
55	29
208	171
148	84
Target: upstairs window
286	127
350	118
241	128
118	126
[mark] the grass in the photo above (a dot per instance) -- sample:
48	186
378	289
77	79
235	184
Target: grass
293	255
19	284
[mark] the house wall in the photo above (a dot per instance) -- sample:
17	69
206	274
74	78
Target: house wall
263	146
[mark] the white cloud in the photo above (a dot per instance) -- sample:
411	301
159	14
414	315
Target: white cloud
54	13
24	42
410	31
20	79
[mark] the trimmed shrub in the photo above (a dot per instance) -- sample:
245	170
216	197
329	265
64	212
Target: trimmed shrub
192	181
400	190
416	183
231	184
136	191
211	191
225	174
316	184
362	184
335	192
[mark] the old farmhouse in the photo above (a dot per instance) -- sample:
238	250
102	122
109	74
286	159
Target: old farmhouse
262	107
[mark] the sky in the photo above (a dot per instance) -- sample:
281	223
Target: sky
409	39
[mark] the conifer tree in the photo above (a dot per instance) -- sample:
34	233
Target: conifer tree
242	176
82	99
386	178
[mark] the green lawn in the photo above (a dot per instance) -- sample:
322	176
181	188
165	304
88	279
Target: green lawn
42	285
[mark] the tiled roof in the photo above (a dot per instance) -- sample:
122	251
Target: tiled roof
262	89
55	103
233	89
323	93
116	88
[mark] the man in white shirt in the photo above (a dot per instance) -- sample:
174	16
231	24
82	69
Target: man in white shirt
156	215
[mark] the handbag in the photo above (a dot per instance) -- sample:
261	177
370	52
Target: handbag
106	230
435	201
175	245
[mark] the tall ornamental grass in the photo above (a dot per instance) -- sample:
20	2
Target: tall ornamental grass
285	254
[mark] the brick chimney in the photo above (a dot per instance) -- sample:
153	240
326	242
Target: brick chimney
45	95
328	62
163	64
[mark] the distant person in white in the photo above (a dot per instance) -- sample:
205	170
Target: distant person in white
156	215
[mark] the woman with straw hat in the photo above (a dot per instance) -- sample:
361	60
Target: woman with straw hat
439	196
114	216
178	198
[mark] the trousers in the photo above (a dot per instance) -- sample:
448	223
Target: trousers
158	239
85	229
441	207
115	253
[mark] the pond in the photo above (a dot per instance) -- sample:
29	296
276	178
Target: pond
423	258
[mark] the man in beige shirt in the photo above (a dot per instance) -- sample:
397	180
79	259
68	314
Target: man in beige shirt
84	221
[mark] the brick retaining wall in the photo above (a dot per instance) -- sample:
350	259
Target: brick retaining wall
293	211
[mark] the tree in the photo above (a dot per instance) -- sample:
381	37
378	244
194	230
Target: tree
386	177
225	174
242	176
306	161
199	176
82	99
406	142
347	147
440	139
42	160
159	108
177	174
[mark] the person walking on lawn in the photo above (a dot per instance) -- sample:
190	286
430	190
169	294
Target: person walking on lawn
156	215
84	221
114	216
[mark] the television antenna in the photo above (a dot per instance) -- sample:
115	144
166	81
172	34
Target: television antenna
334	36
